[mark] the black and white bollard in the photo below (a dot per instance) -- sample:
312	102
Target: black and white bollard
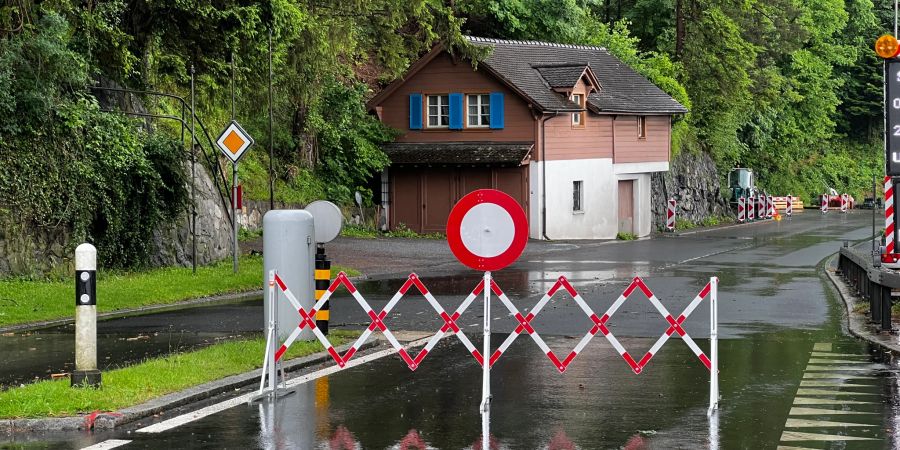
86	373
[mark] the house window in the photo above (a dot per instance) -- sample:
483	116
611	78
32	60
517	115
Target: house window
577	118
438	111
479	114
642	127
577	196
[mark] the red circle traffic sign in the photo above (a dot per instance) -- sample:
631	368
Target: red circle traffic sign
487	230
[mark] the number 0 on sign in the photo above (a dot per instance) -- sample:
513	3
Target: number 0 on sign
487	230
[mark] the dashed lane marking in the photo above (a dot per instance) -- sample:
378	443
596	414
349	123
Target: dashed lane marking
838	361
794	436
846	376
109	443
822	347
828	401
836	355
815	368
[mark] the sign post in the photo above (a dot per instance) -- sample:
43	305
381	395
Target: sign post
487	230
234	142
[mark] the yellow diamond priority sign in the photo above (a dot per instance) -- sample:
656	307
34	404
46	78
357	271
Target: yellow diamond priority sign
234	141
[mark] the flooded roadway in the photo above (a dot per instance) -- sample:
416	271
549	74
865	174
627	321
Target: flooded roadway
790	376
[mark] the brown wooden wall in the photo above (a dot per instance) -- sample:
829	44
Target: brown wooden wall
442	76
564	141
631	149
421	198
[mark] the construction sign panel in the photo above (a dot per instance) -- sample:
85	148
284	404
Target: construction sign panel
892	116
234	141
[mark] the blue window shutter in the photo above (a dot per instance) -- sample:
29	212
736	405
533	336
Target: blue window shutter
415	111
456	111
497	110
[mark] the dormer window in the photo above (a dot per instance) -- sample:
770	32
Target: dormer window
438	111
578	117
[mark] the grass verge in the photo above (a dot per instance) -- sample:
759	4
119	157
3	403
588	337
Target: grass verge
23	301
401	231
153	378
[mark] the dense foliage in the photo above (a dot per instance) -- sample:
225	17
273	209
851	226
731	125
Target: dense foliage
67	167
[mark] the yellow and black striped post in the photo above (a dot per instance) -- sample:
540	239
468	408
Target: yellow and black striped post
323	279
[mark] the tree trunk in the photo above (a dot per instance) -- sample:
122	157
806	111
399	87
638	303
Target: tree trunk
679	29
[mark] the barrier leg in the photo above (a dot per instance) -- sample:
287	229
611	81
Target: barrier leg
269	369
875	305
486	368
885	308
713	345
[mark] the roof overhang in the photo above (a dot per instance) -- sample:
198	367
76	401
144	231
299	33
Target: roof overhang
459	153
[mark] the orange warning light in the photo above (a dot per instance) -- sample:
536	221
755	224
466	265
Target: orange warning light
887	47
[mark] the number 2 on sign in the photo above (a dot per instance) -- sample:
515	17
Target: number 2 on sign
896	130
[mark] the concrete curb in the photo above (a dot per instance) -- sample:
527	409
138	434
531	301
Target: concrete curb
857	323
110	420
202	301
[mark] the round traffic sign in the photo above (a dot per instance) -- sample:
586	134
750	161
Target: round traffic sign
487	230
327	220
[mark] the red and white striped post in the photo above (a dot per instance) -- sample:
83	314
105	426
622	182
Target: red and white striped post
888	215
824	206
843	203
760	206
670	215
770	206
789	207
741	212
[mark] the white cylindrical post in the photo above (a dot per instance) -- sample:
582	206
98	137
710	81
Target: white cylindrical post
713	344
86	373
486	368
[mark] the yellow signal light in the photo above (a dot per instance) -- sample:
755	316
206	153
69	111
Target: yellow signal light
887	46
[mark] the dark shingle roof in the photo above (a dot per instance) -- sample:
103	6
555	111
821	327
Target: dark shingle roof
459	152
622	90
561	76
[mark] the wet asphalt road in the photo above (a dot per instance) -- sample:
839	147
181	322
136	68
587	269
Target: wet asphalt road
780	326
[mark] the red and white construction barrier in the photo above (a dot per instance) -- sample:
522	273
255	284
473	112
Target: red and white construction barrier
888	215
599	325
789	206
761	206
751	208
770	207
844	202
742	213
670	214
824	207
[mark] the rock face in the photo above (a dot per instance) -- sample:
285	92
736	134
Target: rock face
694	179
173	244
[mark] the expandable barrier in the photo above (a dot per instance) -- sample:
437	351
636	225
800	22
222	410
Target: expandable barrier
741	212
670	214
888	215
487	286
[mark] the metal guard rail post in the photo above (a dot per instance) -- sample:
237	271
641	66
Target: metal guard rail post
869	282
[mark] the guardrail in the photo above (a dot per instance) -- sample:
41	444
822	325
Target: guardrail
872	283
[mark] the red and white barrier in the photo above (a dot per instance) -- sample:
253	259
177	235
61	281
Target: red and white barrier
844	202
599	325
751	208
770	210
888	215
789	206
761	206
824	207
741	214
670	214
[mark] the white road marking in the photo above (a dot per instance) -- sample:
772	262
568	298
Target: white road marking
815	368
824	412
605	261
835	355
831	384
231	403
846	376
795	436
827	401
822	347
805	423
109	443
802	391
837	361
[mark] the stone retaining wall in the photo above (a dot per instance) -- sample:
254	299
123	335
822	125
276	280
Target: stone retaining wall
695	179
